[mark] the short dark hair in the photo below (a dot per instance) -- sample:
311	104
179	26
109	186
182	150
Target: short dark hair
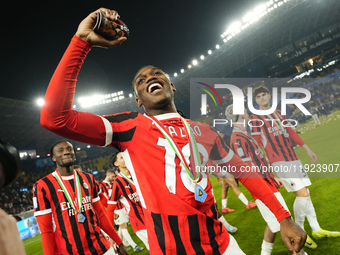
113	157
259	90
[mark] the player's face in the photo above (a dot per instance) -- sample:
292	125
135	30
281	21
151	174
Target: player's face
112	177
154	89
262	98
120	163
63	154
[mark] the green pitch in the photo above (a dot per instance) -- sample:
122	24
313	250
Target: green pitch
324	141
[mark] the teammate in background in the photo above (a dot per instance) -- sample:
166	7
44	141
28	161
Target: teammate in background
105	191
124	191
229	181
277	142
68	210
106	186
247	148
180	214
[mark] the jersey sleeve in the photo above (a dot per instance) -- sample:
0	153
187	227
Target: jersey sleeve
293	135
58	116
95	190
41	202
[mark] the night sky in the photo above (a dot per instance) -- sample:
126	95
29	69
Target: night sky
167	34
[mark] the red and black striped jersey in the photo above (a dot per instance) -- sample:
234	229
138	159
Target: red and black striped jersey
268	132
71	236
175	221
124	192
106	191
247	150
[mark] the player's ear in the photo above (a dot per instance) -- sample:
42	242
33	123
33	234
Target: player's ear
139	102
116	164
173	87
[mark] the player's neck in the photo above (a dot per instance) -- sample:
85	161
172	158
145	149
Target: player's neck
265	107
65	171
241	126
107	180
124	171
170	108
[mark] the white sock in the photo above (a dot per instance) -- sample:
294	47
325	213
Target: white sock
299	206
303	206
266	248
243	199
128	237
224	221
224	203
311	216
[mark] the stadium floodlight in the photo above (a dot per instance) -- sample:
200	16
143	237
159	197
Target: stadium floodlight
40	102
182	70
194	62
234	27
248	16
175	74
217	46
78	149
38	156
74	106
260	8
209	52
225	40
48	155
121	97
88	146
130	95
189	66
202	57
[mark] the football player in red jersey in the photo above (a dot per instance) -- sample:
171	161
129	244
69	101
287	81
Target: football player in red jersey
277	142
248	149
124	191
68	211
180	215
106	186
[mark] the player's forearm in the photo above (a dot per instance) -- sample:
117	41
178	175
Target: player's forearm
295	137
258	188
110	211
61	89
57	114
306	148
48	243
47	234
104	222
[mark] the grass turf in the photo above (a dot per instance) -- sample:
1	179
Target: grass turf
324	141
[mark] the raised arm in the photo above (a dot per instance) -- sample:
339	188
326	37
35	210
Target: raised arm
57	114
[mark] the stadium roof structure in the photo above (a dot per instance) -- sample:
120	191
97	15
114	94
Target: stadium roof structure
251	52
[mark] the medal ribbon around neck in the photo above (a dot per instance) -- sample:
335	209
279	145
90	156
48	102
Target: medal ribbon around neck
77	187
177	150
280	125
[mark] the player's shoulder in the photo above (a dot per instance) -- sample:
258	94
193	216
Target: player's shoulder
44	181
